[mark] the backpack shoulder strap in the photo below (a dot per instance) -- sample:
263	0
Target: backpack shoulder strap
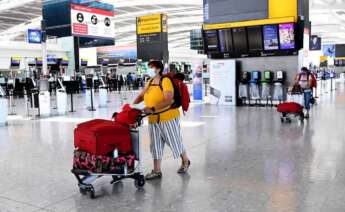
161	81
150	82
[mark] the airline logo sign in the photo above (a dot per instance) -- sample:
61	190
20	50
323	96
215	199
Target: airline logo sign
149	24
91	22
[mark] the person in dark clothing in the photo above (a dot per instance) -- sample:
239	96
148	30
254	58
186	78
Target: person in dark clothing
129	80
120	82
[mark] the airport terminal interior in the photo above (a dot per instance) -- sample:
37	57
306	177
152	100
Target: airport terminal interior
253	91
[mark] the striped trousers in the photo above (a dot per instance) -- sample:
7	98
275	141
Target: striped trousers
169	133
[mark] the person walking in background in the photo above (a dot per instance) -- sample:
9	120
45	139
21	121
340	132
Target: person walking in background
120	83
305	80
129	80
164	121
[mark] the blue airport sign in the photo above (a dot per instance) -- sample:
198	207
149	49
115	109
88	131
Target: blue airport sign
34	36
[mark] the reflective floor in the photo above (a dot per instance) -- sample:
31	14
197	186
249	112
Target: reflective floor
243	159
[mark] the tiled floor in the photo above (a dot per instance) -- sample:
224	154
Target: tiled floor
243	159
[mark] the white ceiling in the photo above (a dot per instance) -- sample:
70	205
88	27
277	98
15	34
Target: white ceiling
327	16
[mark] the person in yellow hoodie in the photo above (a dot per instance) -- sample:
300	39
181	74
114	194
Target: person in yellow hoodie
164	121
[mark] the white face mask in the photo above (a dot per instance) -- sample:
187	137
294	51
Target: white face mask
151	72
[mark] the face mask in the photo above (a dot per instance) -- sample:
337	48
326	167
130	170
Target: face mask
151	72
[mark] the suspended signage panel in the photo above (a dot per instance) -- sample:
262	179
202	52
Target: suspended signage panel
152	37
92	22
149	24
34	36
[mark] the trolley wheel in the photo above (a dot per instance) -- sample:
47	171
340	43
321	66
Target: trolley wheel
92	193
282	119
139	181
116	179
82	191
302	116
288	120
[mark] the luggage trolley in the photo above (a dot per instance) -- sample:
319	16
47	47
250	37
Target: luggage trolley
85	178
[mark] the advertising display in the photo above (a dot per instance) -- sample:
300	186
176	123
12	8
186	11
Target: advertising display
225	40
287	36
117	54
271	37
328	50
223	82
92	22
34	36
197	80
315	43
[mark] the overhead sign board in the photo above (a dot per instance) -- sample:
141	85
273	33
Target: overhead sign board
152	37
34	36
149	24
92	22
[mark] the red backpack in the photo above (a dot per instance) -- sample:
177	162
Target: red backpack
181	93
128	116
313	79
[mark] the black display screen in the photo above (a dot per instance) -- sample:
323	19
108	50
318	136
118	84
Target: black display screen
61	26
240	41
340	50
211	40
255	38
225	40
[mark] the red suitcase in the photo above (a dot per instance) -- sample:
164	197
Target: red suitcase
290	107
100	137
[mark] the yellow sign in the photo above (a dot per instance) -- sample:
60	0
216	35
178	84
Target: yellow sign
249	23
323	58
282	8
149	24
16	58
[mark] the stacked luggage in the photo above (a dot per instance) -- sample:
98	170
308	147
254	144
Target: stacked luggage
293	107
108	148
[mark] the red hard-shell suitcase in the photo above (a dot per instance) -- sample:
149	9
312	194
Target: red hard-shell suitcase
100	137
290	107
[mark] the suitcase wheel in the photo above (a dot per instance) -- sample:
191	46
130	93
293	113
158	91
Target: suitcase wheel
89	189
139	181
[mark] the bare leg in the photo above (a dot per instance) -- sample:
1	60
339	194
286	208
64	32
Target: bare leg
157	165
185	159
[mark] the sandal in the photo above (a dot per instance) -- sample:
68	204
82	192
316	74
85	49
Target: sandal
153	175
184	168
